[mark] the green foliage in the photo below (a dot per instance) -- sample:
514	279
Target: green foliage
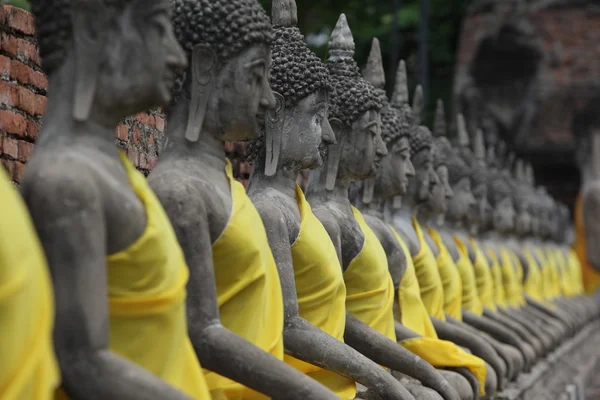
17	3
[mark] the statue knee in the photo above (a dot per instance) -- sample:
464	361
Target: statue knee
421	392
460	384
491	382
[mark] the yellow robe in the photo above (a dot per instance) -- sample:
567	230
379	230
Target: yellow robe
575	269
450	278
439	353
483	277
28	368
146	298
321	293
430	282
533	285
248	287
369	286
470	298
590	277
496	268
509	279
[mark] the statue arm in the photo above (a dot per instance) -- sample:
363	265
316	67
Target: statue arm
304	340
71	227
219	349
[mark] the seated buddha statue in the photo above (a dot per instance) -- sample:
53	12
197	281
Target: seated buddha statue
118	272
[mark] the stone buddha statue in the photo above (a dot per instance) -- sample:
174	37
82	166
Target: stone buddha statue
235	304
117	269
354	116
295	136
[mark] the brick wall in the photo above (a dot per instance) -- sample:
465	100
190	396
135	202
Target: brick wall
23	88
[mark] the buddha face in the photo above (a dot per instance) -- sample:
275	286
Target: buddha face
140	60
241	94
363	148
395	171
306	133
523	221
504	215
418	188
462	201
440	191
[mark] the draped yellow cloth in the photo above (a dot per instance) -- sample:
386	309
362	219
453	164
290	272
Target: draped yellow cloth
439	353
575	269
533	286
512	290
248	287
430	282
321	293
369	285
470	297
591	277
28	368
484	280
496	269
518	276
146	290
450	277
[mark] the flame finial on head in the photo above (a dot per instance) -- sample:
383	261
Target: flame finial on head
479	146
284	13
418	105
439	124
374	73
400	95
463	136
341	42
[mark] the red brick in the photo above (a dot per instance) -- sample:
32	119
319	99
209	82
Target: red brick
143	163
9	94
10	147
9	165
136	135
20	20
31	103
20	48
33	129
122	132
146	119
151	140
4	65
152	162
25	150
160	124
26	75
133	156
18	171
12	122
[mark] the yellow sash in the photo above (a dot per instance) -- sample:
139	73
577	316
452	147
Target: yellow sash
369	286
321	293
545	273
518	278
509	280
576	272
499	296
470	297
248	287
589	276
430	282
483	277
414	313
533	284
28	368
146	289
450	278
439	353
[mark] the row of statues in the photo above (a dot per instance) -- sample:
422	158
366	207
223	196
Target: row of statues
409	268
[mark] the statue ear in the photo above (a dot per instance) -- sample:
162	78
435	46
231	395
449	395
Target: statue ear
88	19
203	64
274	134
334	153
368	189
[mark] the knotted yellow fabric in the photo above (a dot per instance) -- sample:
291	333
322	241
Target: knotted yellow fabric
439	353
28	368
470	297
248	287
496	268
369	285
430	282
590	277
450	277
413	312
146	298
533	284
321	293
509	279
483	277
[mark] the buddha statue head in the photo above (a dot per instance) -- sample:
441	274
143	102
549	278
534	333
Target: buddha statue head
295	134
227	43
500	199
107	59
353	114
395	168
440	191
420	138
459	174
